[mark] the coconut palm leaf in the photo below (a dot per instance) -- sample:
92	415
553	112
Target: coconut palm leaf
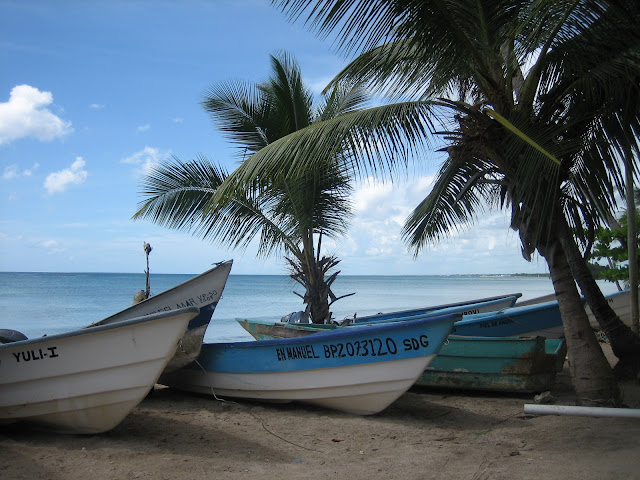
377	140
294	184
546	105
178	196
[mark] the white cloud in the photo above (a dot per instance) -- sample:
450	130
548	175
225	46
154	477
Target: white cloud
375	234
145	159
96	106
143	128
178	120
51	247
26	115
370	193
49	244
10	172
13	171
29	171
58	182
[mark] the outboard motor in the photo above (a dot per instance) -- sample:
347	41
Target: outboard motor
9	336
296	317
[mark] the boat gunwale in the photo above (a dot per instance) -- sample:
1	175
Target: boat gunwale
339	333
432	309
195	278
99	328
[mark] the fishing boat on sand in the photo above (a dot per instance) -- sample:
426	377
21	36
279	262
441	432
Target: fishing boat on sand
202	291
483	352
262	330
467	307
359	370
504	364
619	301
539	320
87	380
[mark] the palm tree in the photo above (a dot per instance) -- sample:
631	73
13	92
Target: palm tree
530	93
289	214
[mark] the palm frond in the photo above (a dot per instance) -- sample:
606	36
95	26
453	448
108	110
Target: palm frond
288	95
378	140
459	193
177	193
238	109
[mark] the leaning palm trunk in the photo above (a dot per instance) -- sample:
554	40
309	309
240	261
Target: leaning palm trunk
591	373
624	343
632	245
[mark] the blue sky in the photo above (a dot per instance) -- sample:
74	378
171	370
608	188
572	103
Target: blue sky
94	92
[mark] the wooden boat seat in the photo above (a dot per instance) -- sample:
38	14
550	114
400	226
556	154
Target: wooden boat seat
9	336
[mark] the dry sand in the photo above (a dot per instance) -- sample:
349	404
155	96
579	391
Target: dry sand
425	434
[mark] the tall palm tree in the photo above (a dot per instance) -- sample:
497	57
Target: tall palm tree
288	214
529	92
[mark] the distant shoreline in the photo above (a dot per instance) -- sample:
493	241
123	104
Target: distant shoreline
544	275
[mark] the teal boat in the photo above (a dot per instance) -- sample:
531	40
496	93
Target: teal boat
505	364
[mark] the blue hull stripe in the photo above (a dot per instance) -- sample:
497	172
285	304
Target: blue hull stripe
336	348
509	322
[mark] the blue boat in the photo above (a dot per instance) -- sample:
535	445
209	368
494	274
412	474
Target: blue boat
466	307
360	370
262	330
469	307
537	320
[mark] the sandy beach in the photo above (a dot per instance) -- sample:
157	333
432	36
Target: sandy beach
425	434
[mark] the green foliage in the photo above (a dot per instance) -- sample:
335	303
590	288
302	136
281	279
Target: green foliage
270	198
611	245
538	100
279	210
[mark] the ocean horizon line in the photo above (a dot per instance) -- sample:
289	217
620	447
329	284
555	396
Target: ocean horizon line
521	274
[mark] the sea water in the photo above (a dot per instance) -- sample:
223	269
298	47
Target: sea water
49	303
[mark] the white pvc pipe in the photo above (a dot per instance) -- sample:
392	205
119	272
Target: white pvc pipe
536	409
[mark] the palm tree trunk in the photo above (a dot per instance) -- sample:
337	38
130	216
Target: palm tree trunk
591	374
632	243
624	343
317	292
317	295
308	272
318	301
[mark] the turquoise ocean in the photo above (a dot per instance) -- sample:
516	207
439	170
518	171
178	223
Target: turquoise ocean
49	303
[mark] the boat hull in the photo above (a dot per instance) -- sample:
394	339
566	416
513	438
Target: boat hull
202	291
468	307
538	320
496	363
358	370
363	389
534	320
619	301
88	380
510	364
261	330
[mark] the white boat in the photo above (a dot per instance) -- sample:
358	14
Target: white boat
621	304
87	380
202	291
619	301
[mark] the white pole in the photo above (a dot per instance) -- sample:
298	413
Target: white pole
535	409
